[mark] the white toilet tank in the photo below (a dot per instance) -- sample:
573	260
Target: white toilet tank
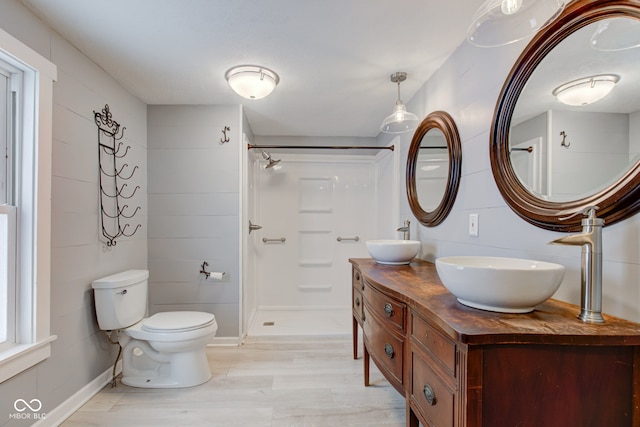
121	299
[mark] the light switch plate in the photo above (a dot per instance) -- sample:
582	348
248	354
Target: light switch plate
473	224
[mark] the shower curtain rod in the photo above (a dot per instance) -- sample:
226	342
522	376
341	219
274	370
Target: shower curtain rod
328	147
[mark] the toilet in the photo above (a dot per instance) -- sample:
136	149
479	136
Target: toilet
166	350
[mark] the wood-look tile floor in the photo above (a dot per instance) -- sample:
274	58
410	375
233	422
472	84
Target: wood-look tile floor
301	382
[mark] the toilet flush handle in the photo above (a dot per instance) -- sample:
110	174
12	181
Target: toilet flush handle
123	292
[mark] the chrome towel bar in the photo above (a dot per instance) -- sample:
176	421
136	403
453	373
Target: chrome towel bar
340	239
282	239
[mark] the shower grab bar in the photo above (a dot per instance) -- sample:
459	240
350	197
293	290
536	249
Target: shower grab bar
340	239
282	239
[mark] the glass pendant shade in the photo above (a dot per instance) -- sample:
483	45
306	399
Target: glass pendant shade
616	34
400	120
587	90
252	81
500	22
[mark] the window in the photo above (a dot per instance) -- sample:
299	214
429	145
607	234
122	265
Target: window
26	99
10	79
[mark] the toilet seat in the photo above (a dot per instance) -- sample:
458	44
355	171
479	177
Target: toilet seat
177	321
174	326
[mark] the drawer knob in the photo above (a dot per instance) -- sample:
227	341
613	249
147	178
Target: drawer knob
357	302
429	394
388	310
388	349
357	276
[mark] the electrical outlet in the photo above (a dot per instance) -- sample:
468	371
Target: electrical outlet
473	224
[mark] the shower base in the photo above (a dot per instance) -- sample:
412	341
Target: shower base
301	323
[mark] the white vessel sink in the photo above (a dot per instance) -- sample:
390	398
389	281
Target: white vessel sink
393	252
506	285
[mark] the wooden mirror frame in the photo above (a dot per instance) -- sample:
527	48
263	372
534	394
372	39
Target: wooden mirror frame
618	201
444	122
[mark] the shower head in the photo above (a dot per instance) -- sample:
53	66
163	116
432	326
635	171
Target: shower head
269	159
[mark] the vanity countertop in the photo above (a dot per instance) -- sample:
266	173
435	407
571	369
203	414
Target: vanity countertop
554	321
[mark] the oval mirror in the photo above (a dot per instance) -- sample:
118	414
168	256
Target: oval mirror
553	152
433	168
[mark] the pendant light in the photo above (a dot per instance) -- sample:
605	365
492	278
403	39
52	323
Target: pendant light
500	22
616	34
400	120
252	81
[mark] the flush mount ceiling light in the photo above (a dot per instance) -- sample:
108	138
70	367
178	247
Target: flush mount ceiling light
500	22
252	81
400	120
586	90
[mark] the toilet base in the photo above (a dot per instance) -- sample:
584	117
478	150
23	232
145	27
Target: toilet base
159	382
163	370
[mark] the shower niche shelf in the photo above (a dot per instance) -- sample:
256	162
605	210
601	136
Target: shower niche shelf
116	216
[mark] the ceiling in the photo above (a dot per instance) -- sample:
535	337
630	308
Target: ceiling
334	57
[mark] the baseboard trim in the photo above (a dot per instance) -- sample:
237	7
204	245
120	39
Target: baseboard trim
63	411
225	341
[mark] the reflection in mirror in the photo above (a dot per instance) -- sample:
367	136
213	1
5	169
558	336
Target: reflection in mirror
578	150
550	156
433	168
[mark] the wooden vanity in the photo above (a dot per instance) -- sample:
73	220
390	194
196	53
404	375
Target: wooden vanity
459	366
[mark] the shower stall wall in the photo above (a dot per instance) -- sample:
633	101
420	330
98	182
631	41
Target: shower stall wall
316	211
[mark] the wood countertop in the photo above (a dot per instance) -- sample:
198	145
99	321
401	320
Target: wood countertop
553	322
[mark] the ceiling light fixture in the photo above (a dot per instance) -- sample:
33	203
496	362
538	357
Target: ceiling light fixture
400	120
500	22
586	90
252	81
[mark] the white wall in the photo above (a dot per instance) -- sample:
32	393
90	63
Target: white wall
194	210
81	352
599	143
467	86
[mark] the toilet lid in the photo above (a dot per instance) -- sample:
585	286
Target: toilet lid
177	321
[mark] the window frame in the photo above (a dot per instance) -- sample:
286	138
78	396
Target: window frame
33	216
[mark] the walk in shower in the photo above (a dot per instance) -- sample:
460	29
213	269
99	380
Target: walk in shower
311	212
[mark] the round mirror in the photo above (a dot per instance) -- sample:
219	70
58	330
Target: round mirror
433	168
566	132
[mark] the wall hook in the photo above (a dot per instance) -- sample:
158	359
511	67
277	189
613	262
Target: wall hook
564	142
224	132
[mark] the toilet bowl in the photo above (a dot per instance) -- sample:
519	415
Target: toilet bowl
166	350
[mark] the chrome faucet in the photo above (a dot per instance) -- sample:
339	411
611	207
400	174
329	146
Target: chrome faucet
591	266
405	230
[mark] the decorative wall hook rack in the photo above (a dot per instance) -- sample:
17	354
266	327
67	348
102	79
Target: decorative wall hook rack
564	142
114	214
225	138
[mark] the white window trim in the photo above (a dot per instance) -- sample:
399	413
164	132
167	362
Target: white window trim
34	342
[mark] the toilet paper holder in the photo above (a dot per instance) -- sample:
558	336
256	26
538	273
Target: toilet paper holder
210	274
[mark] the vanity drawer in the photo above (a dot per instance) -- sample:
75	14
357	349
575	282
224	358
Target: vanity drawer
386	348
357	280
442	348
357	304
430	395
390	311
